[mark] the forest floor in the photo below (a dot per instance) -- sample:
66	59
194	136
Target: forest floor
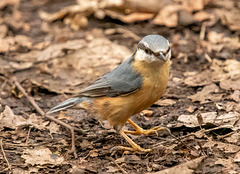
54	57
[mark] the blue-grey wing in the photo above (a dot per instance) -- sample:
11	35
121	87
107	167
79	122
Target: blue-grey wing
122	80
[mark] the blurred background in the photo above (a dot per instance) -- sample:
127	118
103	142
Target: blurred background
54	48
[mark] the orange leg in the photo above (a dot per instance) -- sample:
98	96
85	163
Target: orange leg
139	130
135	147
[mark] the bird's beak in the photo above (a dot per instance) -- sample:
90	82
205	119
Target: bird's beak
162	57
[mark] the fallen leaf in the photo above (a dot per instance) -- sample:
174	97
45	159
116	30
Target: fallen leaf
197	79
187	168
210	117
133	17
209	93
234	138
41	156
92	58
53	127
237	158
147	113
226	147
165	102
191	109
168	16
9	120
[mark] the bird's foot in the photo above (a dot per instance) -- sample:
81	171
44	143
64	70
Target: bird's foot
140	131
136	148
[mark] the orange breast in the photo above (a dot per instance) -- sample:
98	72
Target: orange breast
117	110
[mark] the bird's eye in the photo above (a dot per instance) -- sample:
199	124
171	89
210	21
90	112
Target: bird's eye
147	51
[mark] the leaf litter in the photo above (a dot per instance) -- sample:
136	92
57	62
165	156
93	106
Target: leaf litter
82	40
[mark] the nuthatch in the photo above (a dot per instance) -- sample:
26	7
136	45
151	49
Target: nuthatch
128	89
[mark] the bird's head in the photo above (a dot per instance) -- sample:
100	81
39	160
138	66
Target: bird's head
153	48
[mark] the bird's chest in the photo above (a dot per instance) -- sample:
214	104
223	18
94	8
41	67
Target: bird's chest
155	78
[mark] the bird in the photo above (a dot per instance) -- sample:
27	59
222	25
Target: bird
134	85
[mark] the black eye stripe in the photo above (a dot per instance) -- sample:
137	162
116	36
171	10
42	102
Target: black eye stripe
144	48
148	51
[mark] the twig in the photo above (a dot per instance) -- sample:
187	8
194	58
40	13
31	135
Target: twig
3	85
26	143
4	155
179	140
207	57
118	165
40	111
203	31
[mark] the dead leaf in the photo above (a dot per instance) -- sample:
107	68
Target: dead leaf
187	168
228	119
208	94
4	3
230	84
168	16
165	102
226	147
9	120
191	109
93	59
147	113
53	127
237	158
234	138
197	79
133	17
224	70
41	156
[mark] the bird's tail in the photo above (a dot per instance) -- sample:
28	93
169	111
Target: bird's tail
66	104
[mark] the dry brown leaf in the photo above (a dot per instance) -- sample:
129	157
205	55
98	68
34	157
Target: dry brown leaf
152	6
187	168
9	120
147	113
87	9
53	128
197	79
236	95
228	119
230	84
230	18
19	43
237	158
3	30
93	59
195	5
191	109
234	138
41	156
208	94
201	16
225	70
165	102
4	3
58	50
168	16
133	17
226	147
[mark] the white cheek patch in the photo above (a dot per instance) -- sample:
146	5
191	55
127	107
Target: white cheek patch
141	55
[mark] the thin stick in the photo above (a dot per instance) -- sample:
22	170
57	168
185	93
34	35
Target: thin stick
3	85
179	140
4	155
26	143
40	111
118	165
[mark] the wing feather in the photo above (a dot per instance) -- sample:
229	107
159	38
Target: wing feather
123	80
